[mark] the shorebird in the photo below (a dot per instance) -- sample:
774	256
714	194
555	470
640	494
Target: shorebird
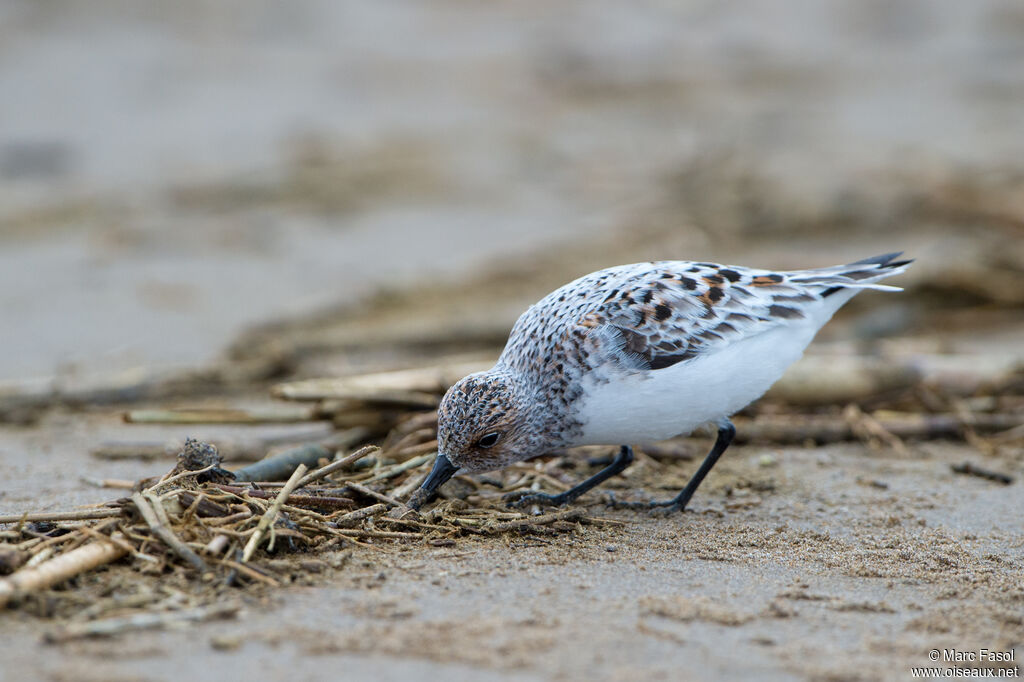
636	353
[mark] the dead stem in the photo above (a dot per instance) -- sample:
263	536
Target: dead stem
54	517
120	483
152	518
108	627
534	521
59	569
250	572
340	464
217	545
271	414
177	477
323	502
392	535
271	513
980	472
360	514
373	493
400	469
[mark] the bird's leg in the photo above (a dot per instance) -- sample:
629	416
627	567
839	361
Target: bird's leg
523	498
726	432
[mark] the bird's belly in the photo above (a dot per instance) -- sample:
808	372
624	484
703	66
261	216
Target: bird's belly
667	402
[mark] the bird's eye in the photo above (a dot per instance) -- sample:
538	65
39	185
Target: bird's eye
489	440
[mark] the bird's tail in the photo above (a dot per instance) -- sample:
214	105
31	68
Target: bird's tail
862	274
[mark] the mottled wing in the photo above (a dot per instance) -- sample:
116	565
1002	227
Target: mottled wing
671	312
675	311
649	316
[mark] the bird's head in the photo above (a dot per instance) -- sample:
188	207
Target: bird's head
485	422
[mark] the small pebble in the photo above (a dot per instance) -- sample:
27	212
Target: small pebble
338	559
226	642
443	542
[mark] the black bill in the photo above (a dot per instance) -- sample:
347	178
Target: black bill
442	471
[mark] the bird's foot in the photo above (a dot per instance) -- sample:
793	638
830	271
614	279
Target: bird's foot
518	499
665	506
616	503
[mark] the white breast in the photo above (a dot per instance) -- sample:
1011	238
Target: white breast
662	403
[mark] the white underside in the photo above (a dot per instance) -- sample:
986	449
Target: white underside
667	402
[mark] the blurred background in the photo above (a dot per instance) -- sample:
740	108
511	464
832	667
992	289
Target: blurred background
173	174
200	201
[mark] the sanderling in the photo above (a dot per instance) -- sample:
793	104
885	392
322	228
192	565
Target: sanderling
635	353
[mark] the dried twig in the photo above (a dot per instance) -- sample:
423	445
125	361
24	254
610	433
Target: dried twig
150	515
217	545
107	627
391	535
533	521
974	470
412	483
177	477
119	483
871	431
322	472
400	469
411	399
250	572
352	485
417	421
119	540
271	514
416	437
54	517
271	414
360	514
227	520
321	502
429	447
433	380
59	569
